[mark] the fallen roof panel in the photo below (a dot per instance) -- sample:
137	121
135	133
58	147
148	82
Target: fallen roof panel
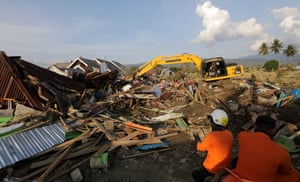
27	144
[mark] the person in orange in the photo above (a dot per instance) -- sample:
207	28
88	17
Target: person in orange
260	159
217	145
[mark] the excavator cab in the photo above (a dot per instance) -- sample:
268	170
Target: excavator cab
216	69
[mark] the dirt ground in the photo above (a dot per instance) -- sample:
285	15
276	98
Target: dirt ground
177	163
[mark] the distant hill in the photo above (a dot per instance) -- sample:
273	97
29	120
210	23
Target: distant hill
252	60
259	60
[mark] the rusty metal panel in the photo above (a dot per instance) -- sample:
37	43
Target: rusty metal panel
11	83
27	144
22	81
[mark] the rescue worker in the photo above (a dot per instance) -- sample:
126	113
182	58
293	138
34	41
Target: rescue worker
217	145
260	159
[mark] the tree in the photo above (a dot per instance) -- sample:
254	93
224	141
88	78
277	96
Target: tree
290	51
271	65
276	46
264	49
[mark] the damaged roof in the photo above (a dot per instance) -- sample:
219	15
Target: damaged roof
27	144
113	65
32	85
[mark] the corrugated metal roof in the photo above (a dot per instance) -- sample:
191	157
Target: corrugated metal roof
27	144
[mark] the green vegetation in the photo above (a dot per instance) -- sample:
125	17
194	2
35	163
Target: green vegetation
175	69
276	47
263	49
290	51
271	65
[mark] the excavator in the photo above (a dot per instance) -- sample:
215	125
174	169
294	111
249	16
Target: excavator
211	69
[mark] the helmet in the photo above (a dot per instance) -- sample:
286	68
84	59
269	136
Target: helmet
219	117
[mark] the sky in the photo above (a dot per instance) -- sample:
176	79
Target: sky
136	31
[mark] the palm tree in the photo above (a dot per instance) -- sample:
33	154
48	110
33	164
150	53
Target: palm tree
263	49
276	46
290	50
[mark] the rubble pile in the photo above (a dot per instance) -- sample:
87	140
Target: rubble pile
107	114
135	117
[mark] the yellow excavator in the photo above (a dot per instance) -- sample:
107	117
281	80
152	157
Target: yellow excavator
211	69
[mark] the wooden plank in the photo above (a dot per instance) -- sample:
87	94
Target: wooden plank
189	94
31	175
109	135
181	123
153	109
198	94
145	153
127	143
166	117
82	152
126	138
138	127
53	165
143	141
61	173
101	150
67	143
225	106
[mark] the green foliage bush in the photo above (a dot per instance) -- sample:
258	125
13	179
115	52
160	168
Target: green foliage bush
271	65
175	69
253	77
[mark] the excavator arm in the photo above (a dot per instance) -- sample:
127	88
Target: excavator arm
166	60
211	69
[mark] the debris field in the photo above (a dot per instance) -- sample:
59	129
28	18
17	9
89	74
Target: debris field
100	127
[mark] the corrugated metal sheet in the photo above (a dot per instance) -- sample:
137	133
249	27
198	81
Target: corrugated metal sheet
27	144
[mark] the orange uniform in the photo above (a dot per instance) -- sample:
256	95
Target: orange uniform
218	145
262	160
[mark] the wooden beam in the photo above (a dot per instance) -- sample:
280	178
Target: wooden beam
69	169
143	141
109	135
138	127
31	175
126	138
53	165
145	153
74	154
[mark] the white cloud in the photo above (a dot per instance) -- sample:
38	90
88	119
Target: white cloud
249	28
218	26
290	21
265	38
284	12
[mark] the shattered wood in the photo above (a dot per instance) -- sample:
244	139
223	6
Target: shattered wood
99	121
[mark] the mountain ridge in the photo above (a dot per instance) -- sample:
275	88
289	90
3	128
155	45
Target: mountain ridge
252	60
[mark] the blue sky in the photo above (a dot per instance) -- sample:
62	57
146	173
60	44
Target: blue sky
135	31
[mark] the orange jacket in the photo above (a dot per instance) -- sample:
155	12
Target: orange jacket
218	145
261	160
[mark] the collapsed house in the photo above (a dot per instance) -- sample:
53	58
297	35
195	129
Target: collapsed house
41	89
34	86
83	65
27	94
